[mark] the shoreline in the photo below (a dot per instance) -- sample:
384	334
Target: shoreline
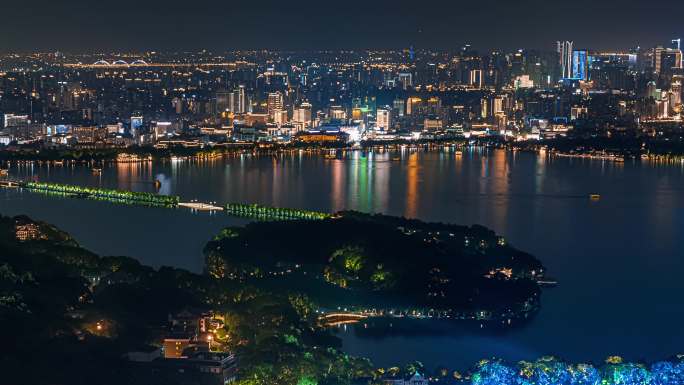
142	155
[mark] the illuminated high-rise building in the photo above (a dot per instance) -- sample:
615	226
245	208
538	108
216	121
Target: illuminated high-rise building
497	105
177	104
399	105
406	80
676	94
652	90
434	105
222	101
580	65
338	113
666	59
357	113
476	78
275	102
578	112
413	105
238	100
136	124
12	120
302	114
280	117
383	119
564	49
663	106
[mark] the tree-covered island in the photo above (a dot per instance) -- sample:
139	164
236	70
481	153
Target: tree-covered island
384	265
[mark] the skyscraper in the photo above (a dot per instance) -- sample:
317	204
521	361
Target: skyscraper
136	124
302	114
497	105
665	59
275	102
580	65
383	119
238	100
476	78
399	105
564	49
406	80
222	101
676	93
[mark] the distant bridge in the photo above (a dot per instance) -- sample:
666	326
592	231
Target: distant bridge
104	64
119	62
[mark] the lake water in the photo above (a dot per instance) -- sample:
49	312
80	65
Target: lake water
619	260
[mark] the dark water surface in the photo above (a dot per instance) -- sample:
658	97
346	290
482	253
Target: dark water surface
619	260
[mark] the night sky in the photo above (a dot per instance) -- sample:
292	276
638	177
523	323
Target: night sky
83	26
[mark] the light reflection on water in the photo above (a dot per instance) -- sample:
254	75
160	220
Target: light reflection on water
618	259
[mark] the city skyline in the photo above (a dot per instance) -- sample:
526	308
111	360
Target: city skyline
154	25
342	193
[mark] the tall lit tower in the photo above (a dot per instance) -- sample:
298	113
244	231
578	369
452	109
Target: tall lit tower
237	100
383	120
275	102
136	124
580	65
223	101
302	114
564	49
476	78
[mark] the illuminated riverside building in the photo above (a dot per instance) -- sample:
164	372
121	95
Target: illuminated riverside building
432	124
